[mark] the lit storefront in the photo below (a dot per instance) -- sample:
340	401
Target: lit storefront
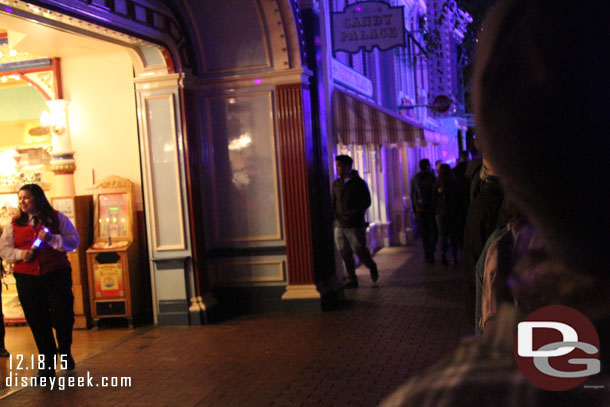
205	108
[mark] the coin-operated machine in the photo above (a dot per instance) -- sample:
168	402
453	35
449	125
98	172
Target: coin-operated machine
79	210
115	280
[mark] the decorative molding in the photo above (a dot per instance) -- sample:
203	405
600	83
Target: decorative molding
61	168
301	292
300	32
114	182
278	277
171	104
247	80
158	82
276	34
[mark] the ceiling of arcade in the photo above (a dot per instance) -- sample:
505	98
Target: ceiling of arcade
24	44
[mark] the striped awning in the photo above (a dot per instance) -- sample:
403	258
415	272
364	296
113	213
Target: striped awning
357	121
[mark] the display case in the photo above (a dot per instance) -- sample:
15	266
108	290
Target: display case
79	210
113	265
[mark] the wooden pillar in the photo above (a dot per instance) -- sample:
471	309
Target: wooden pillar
293	138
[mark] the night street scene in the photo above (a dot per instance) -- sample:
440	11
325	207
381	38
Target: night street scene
304	203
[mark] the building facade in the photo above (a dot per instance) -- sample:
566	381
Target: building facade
398	86
227	117
222	121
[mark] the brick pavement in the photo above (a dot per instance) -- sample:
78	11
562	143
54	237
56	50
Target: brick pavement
351	356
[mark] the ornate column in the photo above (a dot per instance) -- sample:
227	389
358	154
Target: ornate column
62	161
295	193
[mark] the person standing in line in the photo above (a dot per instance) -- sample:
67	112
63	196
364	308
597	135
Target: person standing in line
481	221
422	199
36	242
437	167
539	99
463	183
350	200
447	202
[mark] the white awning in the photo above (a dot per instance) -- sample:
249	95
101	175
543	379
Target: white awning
357	121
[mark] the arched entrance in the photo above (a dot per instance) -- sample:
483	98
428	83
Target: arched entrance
224	128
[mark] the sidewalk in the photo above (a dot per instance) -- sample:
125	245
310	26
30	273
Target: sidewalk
352	356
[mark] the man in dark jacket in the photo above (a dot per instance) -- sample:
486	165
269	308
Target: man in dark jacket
350	200
422	199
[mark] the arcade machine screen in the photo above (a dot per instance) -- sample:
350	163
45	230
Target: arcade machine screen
113	215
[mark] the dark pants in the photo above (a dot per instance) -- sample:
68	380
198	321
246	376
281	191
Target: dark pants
427	224
48	303
350	241
447	232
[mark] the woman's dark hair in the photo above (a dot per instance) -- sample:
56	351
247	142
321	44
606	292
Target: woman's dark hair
46	213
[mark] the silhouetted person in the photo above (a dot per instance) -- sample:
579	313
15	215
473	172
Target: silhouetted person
350	200
481	221
437	166
447	204
423	201
540	103
464	196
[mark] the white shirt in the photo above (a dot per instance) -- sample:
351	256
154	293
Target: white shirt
66	240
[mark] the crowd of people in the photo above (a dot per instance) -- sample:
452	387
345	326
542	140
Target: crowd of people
539	108
440	204
464	209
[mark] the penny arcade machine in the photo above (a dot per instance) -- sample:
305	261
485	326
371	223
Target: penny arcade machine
115	281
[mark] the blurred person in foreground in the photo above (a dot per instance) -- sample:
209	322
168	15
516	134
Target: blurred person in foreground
540	99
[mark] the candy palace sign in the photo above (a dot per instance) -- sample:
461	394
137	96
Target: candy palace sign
367	25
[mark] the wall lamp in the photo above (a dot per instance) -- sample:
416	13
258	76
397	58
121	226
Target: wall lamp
54	122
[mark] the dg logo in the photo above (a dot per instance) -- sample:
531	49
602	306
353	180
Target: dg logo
557	348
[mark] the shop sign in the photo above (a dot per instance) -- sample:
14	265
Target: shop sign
367	25
351	78
443	105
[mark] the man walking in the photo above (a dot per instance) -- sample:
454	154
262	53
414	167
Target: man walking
422	199
350	200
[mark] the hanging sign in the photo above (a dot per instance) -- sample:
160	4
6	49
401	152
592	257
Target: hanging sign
367	25
443	104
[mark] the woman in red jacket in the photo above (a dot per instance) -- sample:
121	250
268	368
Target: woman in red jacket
36	242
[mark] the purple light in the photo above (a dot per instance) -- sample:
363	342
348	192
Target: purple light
258	81
8	10
358	9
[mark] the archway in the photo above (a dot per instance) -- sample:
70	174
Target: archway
183	72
